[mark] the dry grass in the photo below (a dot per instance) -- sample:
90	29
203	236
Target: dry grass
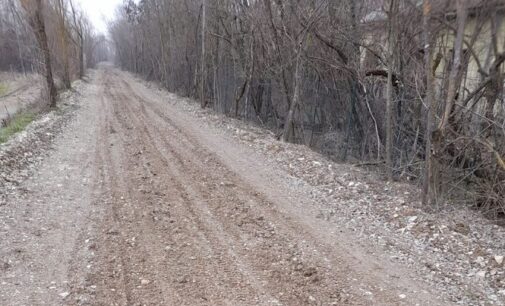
3	89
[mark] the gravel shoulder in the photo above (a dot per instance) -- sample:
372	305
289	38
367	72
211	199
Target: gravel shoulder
45	184
135	196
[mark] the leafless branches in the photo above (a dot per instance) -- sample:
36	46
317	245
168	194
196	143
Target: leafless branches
357	80
55	33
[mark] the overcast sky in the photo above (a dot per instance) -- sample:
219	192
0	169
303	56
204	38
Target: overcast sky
99	11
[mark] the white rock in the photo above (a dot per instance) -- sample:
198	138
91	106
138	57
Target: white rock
481	274
498	259
480	261
402	296
144	282
64	294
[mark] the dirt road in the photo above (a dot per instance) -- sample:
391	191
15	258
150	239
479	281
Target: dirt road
139	204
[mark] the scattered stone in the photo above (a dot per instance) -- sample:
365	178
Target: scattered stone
499	259
309	272
183	279
480	260
227	184
461	228
481	274
145	282
412	219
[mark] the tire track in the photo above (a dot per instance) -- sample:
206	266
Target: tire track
146	146
302	280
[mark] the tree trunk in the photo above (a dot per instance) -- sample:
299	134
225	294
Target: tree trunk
456	65
36	21
389	90
64	45
203	103
80	38
81	58
428	58
289	126
249	75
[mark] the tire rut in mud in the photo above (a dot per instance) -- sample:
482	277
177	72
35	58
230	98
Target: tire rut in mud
210	237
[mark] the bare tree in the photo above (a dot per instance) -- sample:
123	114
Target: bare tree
34	10
203	64
428	58
61	13
393	11
78	25
461	14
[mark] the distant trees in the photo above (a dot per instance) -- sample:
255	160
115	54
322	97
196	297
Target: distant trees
53	37
15	38
415	85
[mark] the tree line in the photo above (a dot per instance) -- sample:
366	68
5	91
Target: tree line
51	37
414	86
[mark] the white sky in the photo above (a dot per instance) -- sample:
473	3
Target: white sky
99	12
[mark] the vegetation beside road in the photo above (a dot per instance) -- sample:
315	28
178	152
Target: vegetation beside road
15	124
3	89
